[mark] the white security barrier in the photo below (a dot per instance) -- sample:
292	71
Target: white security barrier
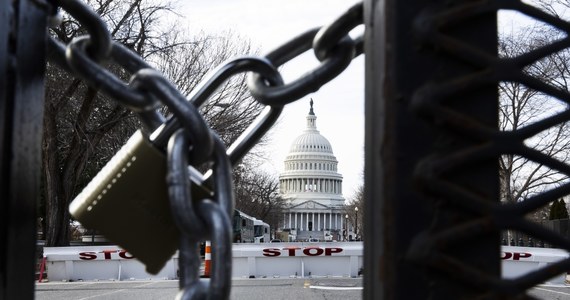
518	261
100	263
297	259
249	260
339	259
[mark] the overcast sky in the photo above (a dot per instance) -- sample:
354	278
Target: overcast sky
339	105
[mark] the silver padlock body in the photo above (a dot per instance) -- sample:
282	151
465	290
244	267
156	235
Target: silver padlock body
127	201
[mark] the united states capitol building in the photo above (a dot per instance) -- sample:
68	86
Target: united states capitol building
312	188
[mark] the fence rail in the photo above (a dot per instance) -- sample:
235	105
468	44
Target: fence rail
516	238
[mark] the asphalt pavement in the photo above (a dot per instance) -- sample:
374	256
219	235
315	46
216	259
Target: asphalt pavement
246	289
250	289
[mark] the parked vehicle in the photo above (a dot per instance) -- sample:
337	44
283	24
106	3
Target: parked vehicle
248	229
243	228
261	231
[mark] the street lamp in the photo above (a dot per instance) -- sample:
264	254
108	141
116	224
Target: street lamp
346	230
355	223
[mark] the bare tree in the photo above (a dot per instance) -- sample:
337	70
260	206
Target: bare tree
187	64
521	106
355	212
557	8
83	128
257	194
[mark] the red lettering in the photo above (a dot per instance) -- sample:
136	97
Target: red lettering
330	251
108	253
515	255
87	255
519	255
506	255
307	251
125	254
271	252
291	250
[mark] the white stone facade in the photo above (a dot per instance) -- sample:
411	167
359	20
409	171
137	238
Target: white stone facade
312	187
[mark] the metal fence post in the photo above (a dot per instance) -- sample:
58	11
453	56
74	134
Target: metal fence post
422	240
22	64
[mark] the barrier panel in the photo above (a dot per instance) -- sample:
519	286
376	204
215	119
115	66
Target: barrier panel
517	261
297	259
100	263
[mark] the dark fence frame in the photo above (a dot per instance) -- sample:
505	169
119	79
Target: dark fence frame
432	145
521	239
22	65
418	160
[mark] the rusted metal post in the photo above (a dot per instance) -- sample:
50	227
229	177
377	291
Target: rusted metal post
22	64
422	240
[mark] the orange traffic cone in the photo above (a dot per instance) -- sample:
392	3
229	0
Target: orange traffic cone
207	259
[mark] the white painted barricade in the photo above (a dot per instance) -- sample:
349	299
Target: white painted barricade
100	263
518	261
342	259
335	259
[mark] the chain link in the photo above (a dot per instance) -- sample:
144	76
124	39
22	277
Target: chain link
327	38
332	46
100	45
311	81
201	208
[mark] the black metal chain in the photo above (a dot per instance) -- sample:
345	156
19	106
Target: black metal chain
332	46
187	139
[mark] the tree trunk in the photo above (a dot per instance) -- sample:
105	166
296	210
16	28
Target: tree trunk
60	184
55	233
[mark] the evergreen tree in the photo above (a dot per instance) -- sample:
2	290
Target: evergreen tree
558	210
563	212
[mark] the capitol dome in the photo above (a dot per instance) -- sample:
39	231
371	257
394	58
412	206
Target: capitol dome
312	188
311	168
311	141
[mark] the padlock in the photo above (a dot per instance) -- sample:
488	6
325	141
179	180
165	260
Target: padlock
127	201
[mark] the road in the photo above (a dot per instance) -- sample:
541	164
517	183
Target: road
250	289
551	292
247	289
